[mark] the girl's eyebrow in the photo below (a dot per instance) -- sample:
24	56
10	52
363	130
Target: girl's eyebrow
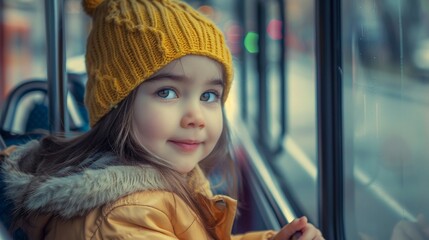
182	78
217	82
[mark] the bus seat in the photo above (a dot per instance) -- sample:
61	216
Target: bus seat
19	139
26	108
77	82
38	117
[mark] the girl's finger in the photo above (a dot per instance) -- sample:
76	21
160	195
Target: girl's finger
310	232
290	229
296	236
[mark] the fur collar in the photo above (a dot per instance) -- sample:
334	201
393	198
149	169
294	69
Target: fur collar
76	194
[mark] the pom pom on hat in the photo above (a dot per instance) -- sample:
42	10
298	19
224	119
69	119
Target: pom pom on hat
130	40
90	5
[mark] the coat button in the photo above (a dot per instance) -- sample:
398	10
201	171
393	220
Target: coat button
220	204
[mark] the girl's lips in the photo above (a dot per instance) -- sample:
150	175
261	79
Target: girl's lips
185	145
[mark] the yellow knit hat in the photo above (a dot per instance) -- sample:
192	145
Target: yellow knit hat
132	39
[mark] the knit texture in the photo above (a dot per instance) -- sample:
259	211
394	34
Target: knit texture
130	40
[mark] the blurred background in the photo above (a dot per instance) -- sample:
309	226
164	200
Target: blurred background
384	48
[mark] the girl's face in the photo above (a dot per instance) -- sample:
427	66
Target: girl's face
178	111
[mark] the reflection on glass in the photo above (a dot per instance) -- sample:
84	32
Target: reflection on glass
386	134
24	49
273	35
298	166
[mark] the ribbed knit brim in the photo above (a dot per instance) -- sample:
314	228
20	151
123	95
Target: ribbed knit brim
130	40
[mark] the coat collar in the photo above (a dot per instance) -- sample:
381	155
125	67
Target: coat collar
76	194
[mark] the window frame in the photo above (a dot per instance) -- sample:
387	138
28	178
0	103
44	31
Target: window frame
329	118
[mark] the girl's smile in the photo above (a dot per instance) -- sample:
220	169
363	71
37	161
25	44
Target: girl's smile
185	145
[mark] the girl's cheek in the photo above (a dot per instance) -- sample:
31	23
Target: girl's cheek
154	123
149	125
216	125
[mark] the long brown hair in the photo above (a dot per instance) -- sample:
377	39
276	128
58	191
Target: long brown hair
57	153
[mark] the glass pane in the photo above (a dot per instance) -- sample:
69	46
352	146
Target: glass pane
386	137
24	49
273	35
298	166
251	38
224	14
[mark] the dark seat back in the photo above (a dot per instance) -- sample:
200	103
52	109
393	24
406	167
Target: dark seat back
26	108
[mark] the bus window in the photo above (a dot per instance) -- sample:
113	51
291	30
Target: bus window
23	49
386	69
297	168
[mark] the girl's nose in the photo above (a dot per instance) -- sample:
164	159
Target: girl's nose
193	118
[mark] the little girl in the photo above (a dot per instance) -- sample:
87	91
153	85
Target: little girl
158	76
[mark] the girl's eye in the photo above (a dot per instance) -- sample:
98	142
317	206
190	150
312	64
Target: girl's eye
167	93
209	97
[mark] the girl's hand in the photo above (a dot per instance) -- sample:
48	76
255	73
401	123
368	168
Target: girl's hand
299	229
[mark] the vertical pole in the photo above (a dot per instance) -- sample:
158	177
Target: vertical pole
241	7
57	78
2	53
283	73
329	118
263	117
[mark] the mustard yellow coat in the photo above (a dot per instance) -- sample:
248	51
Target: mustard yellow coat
113	202
144	215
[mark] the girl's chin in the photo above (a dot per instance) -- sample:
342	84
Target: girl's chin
185	170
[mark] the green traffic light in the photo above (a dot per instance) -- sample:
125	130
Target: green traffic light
251	42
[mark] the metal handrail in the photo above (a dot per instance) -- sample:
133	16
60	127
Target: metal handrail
57	77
